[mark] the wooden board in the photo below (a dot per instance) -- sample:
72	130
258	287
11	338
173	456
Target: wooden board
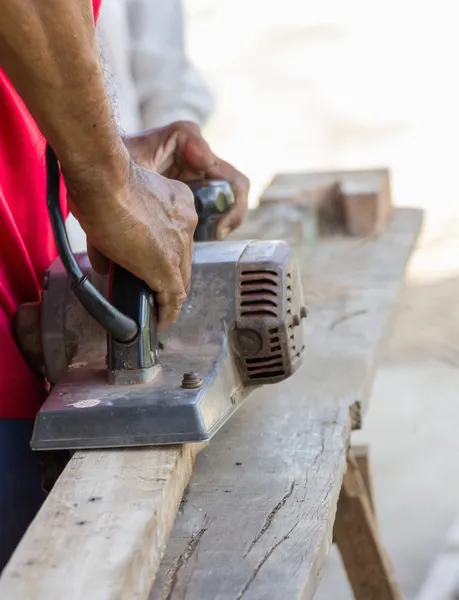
354	202
361	454
256	522
101	533
103	530
367	564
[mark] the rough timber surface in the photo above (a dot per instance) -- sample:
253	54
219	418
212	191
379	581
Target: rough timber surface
102	531
257	519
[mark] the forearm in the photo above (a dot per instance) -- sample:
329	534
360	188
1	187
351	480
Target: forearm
49	52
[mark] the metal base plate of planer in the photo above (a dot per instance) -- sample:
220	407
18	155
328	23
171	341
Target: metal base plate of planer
241	327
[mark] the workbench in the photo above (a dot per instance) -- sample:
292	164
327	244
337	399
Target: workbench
259	507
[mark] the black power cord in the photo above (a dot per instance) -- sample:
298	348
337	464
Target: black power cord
115	323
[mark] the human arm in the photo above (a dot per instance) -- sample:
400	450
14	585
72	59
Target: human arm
49	52
135	217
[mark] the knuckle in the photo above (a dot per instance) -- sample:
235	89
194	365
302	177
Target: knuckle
182	192
193	219
176	300
175	253
188	126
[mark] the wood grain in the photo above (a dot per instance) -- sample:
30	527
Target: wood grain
362	456
367	564
257	519
101	533
355	202
256	522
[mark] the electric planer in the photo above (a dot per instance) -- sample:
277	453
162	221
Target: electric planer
114	382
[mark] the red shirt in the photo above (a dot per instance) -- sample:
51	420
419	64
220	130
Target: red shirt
26	243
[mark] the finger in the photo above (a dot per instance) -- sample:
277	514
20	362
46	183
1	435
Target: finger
169	306
240	186
99	262
192	149
163	157
184	212
186	264
231	221
170	294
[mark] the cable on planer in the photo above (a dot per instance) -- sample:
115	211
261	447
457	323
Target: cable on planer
121	327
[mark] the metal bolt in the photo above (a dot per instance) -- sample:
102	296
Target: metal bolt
191	381
303	312
296	321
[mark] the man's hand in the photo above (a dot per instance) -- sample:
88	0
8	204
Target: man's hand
147	227
131	215
179	152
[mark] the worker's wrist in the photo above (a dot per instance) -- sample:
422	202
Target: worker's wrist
99	179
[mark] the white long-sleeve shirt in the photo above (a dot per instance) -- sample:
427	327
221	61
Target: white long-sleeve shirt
142	42
151	81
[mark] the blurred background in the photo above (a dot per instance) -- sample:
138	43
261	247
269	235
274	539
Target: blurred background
331	84
297	85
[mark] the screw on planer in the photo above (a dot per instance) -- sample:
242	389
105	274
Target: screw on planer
191	381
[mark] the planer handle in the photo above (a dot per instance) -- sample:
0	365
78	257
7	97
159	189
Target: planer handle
212	200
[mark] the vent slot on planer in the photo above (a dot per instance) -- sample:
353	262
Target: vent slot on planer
259	294
260	297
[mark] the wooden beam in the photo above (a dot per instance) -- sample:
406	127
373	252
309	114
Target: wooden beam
104	528
356	202
361	454
367	565
102	531
256	522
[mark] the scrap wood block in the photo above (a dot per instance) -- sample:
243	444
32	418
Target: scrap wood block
355	202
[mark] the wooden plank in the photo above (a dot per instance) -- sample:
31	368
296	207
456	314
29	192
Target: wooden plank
367	565
257	520
367	202
102	531
356	202
362	456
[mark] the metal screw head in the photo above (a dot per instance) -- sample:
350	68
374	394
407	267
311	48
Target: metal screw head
191	381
